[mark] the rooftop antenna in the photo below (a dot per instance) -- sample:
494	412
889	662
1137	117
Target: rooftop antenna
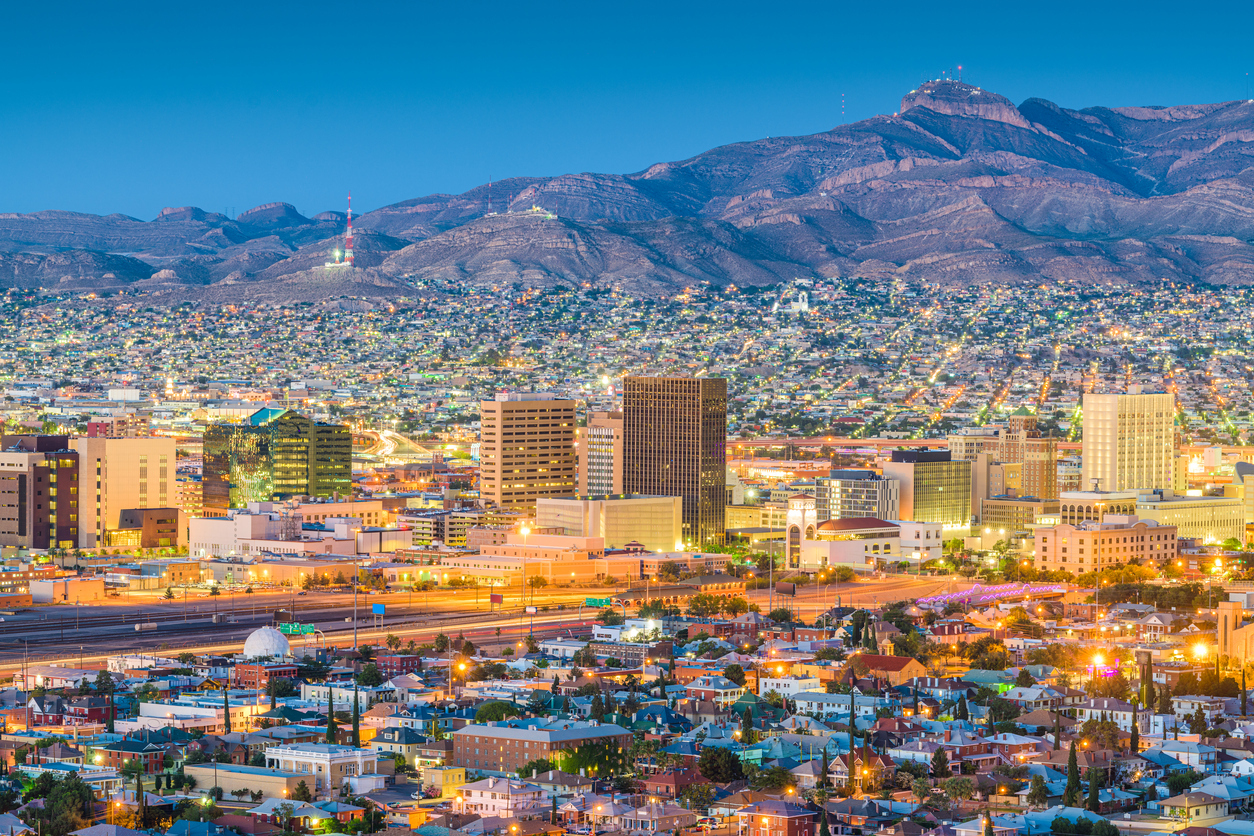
348	237
959	73
489	194
842	107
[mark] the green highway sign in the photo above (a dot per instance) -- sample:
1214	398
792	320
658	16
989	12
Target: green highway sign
294	629
596	602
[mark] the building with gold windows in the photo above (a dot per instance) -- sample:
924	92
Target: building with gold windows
275	454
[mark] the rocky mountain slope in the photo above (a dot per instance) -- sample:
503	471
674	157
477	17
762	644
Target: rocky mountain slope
960	185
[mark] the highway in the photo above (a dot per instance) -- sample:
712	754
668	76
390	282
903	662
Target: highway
87	635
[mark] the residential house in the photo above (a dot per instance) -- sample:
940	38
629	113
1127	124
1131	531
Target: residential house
1193	807
500	797
777	818
1121	713
895	670
716	689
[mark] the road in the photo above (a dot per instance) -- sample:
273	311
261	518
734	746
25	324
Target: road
816	598
86	635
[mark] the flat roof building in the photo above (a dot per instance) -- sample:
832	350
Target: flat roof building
526	449
675	444
653	522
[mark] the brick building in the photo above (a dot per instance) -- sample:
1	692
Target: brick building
259	675
510	744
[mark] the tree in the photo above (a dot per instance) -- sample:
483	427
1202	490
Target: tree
331	729
959	789
536	767
940	764
988	824
961	712
921	789
356	720
698	797
1134	743
441	643
393	642
735	606
1071	795
370	676
720	765
735	673
1095	787
1038	795
704	605
226	711
491	712
1178	782
1164	699
301	792
1024	679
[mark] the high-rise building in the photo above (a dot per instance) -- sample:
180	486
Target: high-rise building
121	474
934	487
601	455
274	454
675	444
526	449
1018	442
856	493
39	492
118	426
1129	442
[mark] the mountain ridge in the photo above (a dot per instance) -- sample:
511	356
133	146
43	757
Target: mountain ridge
960	185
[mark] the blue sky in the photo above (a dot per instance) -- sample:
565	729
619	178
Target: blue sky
133	107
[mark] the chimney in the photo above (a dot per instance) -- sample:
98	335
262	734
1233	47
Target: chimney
948	735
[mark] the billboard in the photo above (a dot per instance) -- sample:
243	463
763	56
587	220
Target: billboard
378	609
786	588
496	598
531	610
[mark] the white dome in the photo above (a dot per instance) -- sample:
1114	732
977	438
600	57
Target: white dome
268	642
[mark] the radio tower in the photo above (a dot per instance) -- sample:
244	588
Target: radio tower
348	237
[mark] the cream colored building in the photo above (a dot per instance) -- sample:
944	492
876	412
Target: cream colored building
1089	547
526	449
556	558
120	473
601	454
1129	442
652	521
1207	519
330	765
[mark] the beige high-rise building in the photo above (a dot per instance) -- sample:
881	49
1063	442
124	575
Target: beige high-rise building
1129	442
119	474
601	455
526	449
1017	443
675	444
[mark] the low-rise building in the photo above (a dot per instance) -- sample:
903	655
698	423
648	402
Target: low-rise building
507	745
330	766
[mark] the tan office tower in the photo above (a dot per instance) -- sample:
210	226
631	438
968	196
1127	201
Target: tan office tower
1129	442
675	444
601	455
1018	443
120	474
526	449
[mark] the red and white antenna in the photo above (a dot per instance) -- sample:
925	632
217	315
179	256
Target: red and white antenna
348	237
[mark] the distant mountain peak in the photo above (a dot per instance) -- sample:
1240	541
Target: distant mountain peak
953	98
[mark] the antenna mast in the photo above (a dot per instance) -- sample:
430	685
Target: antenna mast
348	237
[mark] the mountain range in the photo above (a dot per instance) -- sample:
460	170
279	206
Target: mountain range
958	186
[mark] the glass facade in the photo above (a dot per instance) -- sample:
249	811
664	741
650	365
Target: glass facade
274	457
675	444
